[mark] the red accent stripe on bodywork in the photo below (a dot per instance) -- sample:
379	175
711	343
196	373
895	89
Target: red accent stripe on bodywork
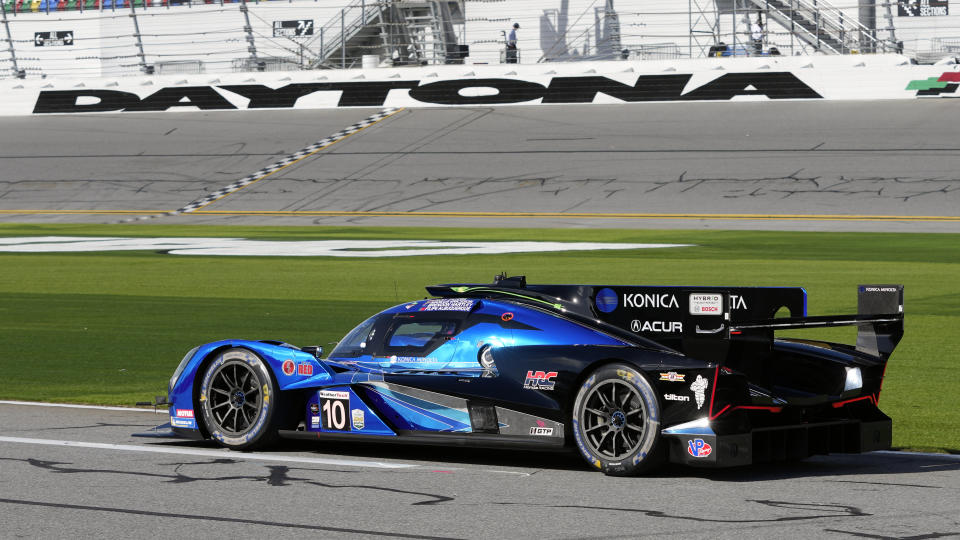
839	404
713	392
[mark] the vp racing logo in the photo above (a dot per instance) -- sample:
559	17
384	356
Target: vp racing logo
699	448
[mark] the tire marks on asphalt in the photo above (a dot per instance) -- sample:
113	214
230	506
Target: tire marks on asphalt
219	519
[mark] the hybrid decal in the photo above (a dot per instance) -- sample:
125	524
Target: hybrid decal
540	380
288	367
706	304
773	85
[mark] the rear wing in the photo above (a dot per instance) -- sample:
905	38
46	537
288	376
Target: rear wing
879	320
702	321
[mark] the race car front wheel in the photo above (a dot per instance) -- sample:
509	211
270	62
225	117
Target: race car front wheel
238	400
616	421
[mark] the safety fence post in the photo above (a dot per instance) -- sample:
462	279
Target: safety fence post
13	53
136	34
251	45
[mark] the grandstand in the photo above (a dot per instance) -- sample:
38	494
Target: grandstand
110	38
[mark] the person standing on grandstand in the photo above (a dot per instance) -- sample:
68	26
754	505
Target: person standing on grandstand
756	32
512	45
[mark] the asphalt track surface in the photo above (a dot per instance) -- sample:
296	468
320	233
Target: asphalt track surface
886	165
78	472
832	166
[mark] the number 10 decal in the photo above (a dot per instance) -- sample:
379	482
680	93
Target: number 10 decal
333	410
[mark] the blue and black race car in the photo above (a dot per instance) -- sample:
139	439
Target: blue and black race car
631	376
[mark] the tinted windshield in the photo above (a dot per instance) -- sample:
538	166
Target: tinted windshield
355	343
420	334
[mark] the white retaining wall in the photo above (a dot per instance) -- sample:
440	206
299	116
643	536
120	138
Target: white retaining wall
720	79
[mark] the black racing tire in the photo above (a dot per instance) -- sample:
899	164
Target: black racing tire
616	421
238	400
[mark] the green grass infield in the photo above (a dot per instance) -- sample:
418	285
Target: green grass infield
109	327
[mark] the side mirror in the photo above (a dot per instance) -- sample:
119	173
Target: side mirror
315	350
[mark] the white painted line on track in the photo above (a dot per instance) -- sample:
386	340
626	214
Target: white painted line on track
72	406
253	456
951	457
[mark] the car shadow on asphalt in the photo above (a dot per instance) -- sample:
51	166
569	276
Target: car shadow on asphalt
873	463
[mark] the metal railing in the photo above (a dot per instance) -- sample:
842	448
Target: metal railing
220	37
335	33
824	26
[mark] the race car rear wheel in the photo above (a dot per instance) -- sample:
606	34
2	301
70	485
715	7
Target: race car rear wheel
616	421
238	400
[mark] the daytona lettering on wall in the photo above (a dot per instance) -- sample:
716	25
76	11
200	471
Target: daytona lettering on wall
773	85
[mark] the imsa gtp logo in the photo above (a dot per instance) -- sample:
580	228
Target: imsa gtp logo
540	380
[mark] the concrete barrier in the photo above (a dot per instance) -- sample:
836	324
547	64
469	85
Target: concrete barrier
713	79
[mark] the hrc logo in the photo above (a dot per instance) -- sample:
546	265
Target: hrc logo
540	380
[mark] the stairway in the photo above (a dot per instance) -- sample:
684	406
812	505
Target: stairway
823	27
402	31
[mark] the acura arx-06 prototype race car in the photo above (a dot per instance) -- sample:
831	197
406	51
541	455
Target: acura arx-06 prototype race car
631	376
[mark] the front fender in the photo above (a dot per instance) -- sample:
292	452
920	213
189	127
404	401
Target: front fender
293	369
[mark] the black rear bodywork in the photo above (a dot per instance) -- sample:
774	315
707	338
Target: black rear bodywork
768	399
